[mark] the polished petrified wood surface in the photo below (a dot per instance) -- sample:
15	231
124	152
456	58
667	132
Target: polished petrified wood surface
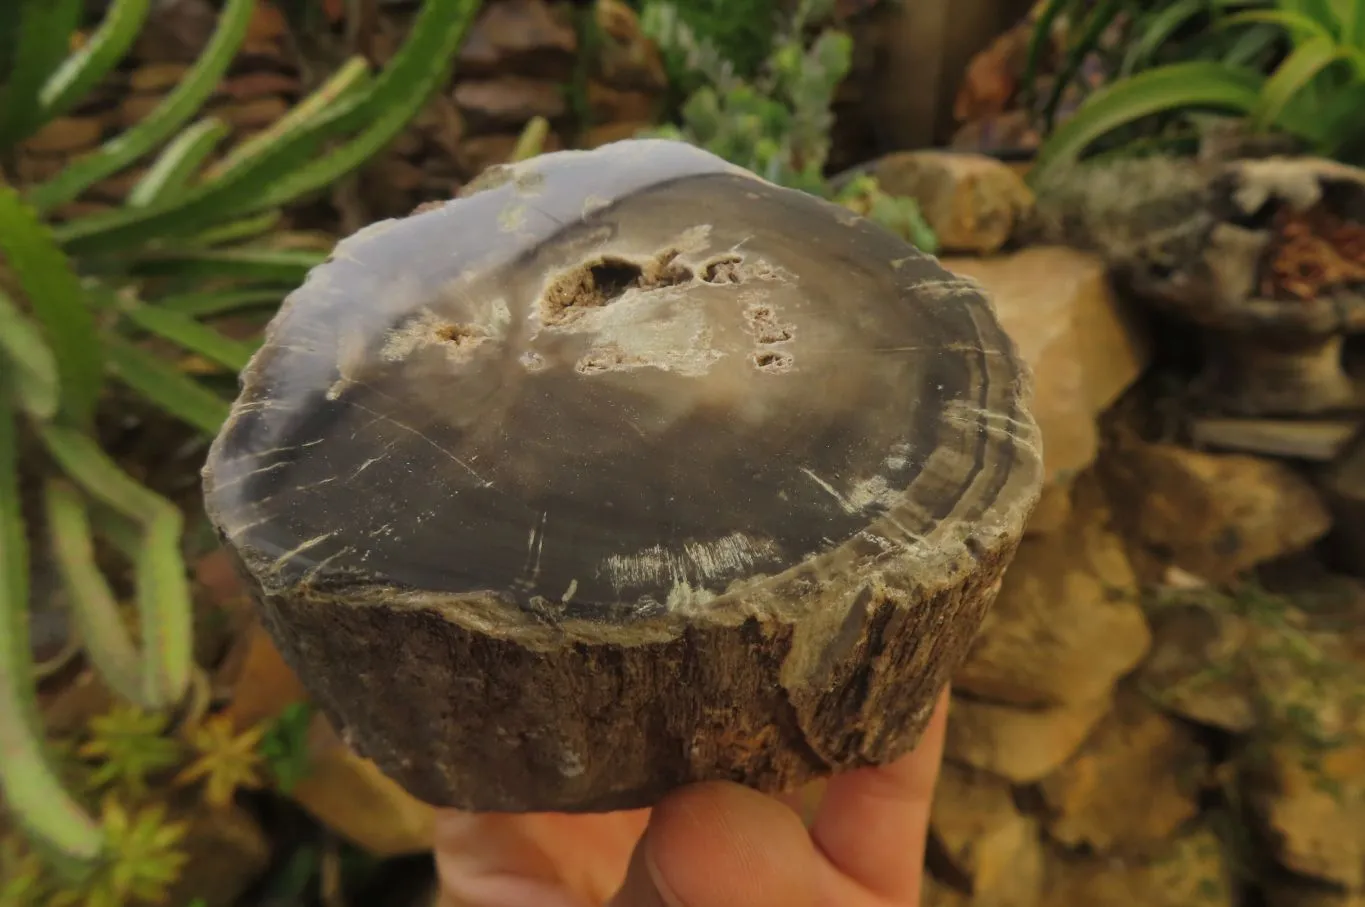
625	470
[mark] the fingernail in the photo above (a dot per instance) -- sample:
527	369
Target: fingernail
642	885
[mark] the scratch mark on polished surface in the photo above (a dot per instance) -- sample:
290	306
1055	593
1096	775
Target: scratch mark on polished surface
288	556
408	428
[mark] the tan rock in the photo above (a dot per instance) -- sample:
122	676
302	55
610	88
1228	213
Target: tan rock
254	114
481	152
406	144
65	135
986	845
1191	872
1052	512
627	58
611	105
36	168
1196	666
1022	745
351	796
117	187
157	78
507	104
1083	345
1134	782
607	133
135	107
1215	515
1067	622
396	174
1312	807
264	83
526	37
972	201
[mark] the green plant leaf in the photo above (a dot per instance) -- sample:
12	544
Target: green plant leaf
163	592
1100	18
159	125
92	603
286	266
46	28
186	332
165	387
1303	29
58	302
33	795
33	368
82	70
249	227
1039	38
257	183
1351	15
204	304
399	92
1289	78
1167	88
178	162
353	75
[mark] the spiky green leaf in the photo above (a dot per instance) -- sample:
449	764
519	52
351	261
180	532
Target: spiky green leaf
174	111
55	295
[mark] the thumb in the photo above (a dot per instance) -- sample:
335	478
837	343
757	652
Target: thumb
721	845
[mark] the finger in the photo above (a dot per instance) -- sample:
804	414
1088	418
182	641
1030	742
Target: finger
536	859
721	845
873	822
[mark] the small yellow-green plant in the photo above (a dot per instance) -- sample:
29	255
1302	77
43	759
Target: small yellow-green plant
226	759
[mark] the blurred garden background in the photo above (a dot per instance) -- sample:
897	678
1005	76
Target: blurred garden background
1167	704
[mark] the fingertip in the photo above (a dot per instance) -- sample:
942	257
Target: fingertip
724	845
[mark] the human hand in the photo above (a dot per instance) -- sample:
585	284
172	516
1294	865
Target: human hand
707	845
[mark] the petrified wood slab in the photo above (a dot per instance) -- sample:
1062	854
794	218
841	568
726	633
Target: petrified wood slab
627	471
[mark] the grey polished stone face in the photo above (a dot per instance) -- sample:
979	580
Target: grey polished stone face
612	383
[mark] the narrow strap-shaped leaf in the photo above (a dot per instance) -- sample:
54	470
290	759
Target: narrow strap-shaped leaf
33	794
57	300
178	162
1351	14
92	603
353	75
46	27
254	184
200	305
165	609
1291	76
1039	38
82	70
1100	18
1167	88
163	588
249	227
1157	29
190	334
165	387
286	266
159	125
1303	29
402	100
33	372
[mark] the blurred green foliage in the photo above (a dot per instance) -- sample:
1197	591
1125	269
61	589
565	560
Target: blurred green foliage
777	124
81	296
1286	66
